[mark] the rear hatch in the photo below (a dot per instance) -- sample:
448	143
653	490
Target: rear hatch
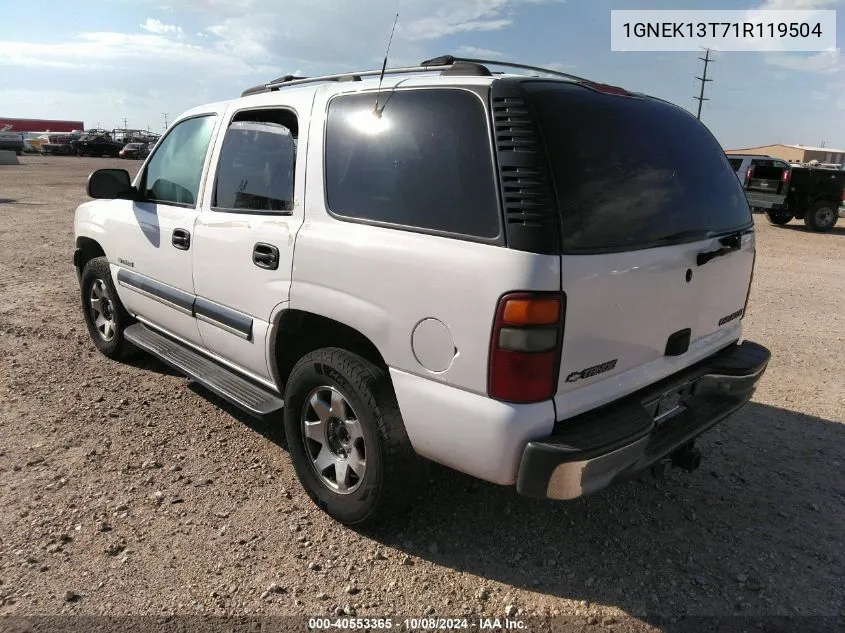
768	176
645	196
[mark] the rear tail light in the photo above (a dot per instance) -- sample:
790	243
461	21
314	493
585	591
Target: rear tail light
525	347
749	173
785	175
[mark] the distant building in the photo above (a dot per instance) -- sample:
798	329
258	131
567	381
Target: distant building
40	125
795	153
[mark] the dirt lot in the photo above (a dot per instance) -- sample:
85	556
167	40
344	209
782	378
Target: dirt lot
128	491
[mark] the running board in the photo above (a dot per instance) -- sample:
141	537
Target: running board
244	394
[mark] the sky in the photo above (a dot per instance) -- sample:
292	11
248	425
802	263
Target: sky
105	61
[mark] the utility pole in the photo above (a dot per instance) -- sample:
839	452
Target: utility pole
703	79
164	114
125	124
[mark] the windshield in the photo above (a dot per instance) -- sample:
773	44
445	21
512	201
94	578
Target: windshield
632	172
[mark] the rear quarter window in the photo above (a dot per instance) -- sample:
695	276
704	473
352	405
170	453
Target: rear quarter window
633	172
425	164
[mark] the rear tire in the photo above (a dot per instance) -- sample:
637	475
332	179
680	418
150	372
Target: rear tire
105	316
346	438
822	216
779	217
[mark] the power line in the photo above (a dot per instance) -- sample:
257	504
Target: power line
703	79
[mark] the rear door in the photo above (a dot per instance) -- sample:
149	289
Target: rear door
646	195
245	232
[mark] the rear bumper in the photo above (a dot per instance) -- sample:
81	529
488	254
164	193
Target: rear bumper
768	201
592	451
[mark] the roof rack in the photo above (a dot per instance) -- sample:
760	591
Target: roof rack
445	64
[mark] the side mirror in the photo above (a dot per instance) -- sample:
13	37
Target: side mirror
110	183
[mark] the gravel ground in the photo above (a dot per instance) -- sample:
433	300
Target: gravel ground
126	490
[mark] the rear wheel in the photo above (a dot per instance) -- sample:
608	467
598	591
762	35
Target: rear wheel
822	216
347	440
778	216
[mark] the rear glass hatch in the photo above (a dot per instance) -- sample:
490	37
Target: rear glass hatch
642	190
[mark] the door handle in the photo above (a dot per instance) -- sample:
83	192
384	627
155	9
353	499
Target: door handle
729	243
265	256
181	239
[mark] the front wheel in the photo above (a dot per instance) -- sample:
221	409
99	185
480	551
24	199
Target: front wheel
346	438
822	216
104	314
778	216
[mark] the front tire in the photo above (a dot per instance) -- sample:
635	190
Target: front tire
104	314
822	216
779	216
346	438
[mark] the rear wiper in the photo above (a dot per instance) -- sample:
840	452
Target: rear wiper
729	243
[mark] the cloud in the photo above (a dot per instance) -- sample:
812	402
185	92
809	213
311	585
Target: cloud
818	95
480	53
824	62
332	32
232	44
124	52
560	67
160	28
797	4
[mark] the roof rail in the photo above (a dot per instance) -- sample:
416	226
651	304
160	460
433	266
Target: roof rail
451	60
445	64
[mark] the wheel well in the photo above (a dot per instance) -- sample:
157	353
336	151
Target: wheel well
821	201
301	332
88	250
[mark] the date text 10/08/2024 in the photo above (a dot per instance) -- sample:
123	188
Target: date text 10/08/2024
417	624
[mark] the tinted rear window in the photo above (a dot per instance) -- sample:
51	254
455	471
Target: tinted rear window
633	173
425	164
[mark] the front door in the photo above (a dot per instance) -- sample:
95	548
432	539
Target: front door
153	236
245	232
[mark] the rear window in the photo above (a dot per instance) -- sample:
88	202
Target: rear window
633	173
426	164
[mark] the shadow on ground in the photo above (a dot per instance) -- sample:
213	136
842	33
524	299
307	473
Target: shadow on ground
836	230
715	542
766	473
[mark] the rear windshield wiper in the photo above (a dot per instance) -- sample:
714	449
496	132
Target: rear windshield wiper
729	243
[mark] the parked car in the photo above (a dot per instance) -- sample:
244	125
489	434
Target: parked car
11	141
783	191
134	150
540	282
814	196
97	145
57	144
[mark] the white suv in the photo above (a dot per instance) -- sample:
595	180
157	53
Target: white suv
537	281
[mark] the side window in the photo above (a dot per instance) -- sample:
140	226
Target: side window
257	163
735	163
424	163
173	173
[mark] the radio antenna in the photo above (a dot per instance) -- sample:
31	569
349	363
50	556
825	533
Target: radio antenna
376	111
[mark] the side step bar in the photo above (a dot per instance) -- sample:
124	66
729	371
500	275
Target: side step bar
244	394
